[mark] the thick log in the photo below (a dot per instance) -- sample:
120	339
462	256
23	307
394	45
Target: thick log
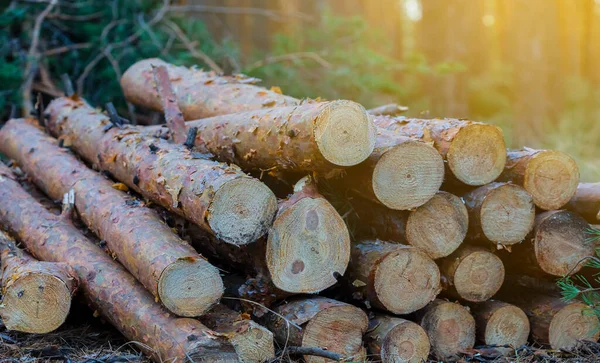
450	327
167	266
472	273
550	176
586	202
36	295
323	323
398	278
219	198
109	289
499	323
395	340
499	213
475	152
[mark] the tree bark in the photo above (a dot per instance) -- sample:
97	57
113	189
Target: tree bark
475	152
324	323
551	177
167	266
398	278
499	323
109	289
392	109
586	202
219	198
36	295
395	340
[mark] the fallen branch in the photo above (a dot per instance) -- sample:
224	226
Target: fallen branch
314	351
173	115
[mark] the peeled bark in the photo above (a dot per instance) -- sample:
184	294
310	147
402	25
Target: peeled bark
109	289
472	274
36	295
219	198
167	266
397	278
499	323
586	202
550	176
325	323
475	152
499	213
395	340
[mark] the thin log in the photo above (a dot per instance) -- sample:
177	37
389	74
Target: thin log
395	340
586	202
173	115
313	351
501	324
392	109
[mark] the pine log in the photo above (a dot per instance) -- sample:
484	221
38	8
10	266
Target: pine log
499	213
109	289
438	227
167	266
472	273
219	198
199	94
36	295
398	278
252	342
550	176
395	340
586	202
475	152
499	323
324	323
450	327
391	109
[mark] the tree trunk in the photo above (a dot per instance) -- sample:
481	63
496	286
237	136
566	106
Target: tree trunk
36	295
398	278
551	177
219	198
475	152
499	323
472	273
499	213
395	340
586	202
167	266
325	323
110	290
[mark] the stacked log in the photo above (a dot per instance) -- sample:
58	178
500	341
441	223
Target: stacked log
586	202
501	324
392	339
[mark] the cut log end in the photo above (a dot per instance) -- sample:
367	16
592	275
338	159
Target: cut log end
406	342
406	280
242	211
479	276
450	327
507	325
35	303
507	214
408	175
344	133
572	324
308	247
439	226
552	178
252	342
190	287
477	155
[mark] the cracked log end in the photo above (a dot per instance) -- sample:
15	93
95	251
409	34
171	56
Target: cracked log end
439	226
506	325
242	211
478	276
36	303
190	286
551	177
344	133
254	343
408	175
308	246
397	340
477	155
450	328
572	324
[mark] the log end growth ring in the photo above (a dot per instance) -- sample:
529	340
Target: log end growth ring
35	303
408	175
477	155
572	324
253	342
552	178
344	133
242	211
508	325
309	245
406	342
479	276
451	329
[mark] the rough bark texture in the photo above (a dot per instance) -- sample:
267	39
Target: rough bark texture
499	213
395	340
392	109
499	323
398	278
166	265
36	295
551	177
323	323
199	94
475	152
219	198
586	202
173	115
109	289
472	273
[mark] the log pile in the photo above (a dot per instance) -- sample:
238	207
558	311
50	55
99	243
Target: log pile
405	232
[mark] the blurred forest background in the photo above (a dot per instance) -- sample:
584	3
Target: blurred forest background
530	66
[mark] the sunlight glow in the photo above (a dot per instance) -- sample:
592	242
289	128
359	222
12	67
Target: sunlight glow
413	10
488	20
